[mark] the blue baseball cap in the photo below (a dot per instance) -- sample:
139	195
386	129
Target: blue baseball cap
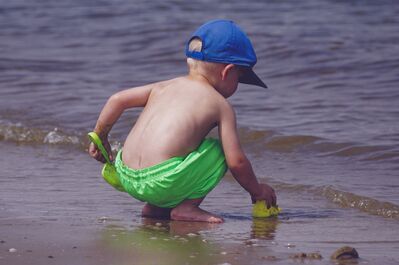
224	42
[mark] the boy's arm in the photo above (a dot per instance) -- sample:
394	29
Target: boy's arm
117	103
237	162
113	109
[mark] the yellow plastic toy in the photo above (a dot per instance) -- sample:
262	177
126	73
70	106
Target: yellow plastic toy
109	171
260	210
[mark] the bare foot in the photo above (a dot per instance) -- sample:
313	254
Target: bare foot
189	211
215	219
153	211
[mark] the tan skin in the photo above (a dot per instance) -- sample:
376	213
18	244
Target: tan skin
190	107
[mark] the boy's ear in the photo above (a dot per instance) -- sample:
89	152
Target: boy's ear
226	70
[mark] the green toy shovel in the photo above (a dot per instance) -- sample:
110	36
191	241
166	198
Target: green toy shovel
109	172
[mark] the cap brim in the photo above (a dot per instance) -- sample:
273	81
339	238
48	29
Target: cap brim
249	77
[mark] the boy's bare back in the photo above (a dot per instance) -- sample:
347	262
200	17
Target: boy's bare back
179	113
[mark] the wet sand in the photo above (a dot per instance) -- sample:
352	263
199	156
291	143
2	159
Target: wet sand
63	214
146	241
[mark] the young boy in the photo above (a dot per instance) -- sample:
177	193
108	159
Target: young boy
166	160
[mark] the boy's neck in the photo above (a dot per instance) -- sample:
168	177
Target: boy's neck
202	78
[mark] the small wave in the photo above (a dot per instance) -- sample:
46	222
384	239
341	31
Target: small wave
26	135
41	65
345	199
268	140
20	134
248	136
383	156
359	150
256	141
362	203
290	143
57	137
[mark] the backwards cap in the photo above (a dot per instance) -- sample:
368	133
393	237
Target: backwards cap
224	42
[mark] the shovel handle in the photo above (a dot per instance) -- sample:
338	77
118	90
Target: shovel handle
97	141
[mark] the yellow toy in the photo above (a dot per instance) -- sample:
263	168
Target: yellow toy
109	171
260	210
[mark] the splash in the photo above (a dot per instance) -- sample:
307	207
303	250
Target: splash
21	134
58	137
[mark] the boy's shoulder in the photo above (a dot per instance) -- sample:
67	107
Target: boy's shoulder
198	95
183	85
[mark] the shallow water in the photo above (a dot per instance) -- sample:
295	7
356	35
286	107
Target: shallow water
325	133
70	214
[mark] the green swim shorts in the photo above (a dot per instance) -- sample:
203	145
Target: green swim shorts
176	179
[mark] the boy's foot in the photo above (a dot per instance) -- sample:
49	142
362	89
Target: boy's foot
152	211
189	211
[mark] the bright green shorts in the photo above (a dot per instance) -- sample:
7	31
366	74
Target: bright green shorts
176	179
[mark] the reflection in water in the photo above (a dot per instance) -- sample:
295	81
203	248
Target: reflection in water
160	242
264	228
173	242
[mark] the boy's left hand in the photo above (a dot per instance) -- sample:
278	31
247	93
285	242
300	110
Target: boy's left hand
96	153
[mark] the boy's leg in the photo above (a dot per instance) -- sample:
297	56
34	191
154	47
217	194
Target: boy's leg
189	210
153	211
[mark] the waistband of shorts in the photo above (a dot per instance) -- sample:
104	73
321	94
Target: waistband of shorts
166	165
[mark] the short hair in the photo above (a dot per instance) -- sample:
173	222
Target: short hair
195	45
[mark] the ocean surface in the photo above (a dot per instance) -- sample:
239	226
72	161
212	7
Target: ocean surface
325	134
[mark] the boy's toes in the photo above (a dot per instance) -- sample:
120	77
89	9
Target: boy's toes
214	219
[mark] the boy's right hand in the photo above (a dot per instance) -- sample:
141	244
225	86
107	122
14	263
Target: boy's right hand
95	152
266	194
